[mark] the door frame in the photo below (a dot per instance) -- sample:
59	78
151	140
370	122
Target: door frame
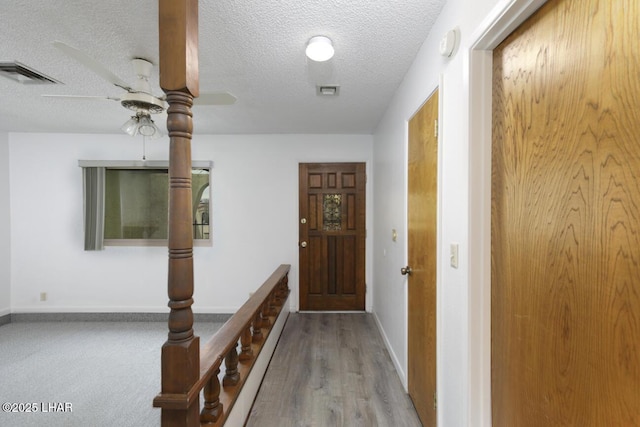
503	19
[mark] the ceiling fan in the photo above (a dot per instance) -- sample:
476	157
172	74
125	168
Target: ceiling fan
138	96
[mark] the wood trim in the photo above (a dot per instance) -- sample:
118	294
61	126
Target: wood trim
223	344
244	401
178	30
227	336
179	46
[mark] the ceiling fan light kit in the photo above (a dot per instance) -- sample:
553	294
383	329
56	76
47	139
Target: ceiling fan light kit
141	124
319	49
142	101
140	97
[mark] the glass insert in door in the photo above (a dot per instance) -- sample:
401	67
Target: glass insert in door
332	212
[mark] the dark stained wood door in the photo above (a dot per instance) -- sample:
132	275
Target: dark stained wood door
422	241
332	236
566	218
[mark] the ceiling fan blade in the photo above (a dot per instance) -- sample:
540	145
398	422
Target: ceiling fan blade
80	97
92	64
215	98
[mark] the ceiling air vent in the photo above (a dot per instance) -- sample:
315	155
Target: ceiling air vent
23	74
327	90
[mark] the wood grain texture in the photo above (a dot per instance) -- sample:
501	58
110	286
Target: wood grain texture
178	39
331	370
332	265
566	218
218	401
180	353
422	238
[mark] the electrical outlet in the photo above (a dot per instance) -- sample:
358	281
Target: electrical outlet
43	296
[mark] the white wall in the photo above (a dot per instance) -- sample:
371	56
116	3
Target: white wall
463	353
254	217
5	228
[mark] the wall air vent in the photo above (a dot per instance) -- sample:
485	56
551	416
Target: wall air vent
327	90
23	74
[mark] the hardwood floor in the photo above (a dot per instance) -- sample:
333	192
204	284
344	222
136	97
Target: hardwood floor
331	370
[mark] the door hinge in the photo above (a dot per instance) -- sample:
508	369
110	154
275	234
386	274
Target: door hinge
435	128
435	400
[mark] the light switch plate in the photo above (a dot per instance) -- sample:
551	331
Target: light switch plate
454	255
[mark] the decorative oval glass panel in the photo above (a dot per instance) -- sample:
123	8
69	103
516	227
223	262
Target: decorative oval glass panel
332	212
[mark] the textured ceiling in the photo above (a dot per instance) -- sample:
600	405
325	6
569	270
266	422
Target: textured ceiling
252	49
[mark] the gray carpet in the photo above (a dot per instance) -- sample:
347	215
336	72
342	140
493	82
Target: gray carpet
107	372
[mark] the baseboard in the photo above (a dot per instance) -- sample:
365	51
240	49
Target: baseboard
241	408
109	317
392	354
44	308
5	320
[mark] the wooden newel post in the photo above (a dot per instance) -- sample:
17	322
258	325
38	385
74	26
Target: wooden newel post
178	29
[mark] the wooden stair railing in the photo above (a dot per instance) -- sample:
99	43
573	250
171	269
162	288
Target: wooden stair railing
250	326
186	371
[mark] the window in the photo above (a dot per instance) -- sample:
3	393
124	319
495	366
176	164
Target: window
127	204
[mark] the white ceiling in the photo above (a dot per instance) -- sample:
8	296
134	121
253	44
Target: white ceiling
253	49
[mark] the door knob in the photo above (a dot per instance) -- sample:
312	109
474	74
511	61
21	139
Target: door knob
406	271
303	244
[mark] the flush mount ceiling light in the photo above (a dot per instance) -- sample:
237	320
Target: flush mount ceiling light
141	124
319	49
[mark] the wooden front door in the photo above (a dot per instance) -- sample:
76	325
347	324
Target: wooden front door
422	241
566	218
332	236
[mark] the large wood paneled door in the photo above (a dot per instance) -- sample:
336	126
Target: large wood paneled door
332	236
566	218
422	241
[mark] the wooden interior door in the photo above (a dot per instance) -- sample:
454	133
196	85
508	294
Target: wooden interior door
566	218
332	236
422	241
